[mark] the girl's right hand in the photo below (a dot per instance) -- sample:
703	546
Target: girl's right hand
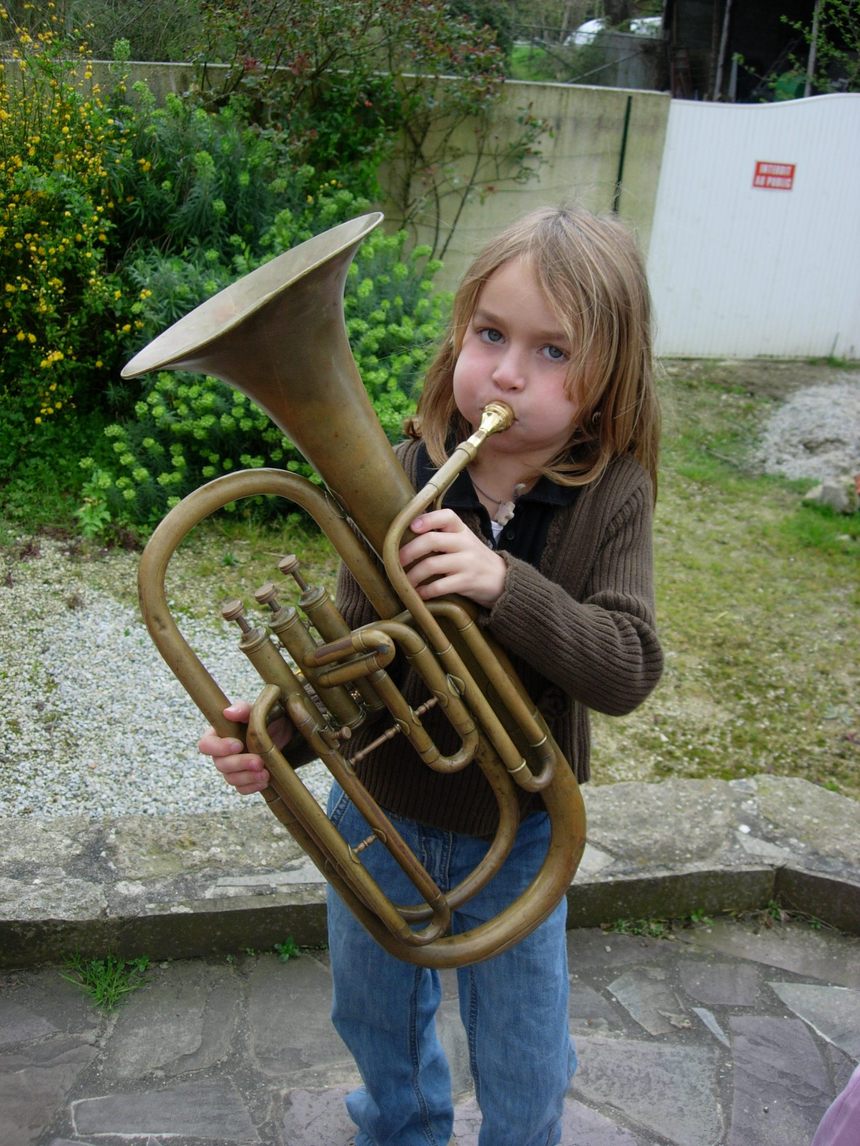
243	770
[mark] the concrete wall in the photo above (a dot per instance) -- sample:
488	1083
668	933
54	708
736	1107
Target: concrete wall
580	163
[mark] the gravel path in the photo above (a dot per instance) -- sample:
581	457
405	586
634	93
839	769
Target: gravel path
93	722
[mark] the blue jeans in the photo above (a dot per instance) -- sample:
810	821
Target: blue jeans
513	1006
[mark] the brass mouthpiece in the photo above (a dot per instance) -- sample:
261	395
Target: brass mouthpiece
496	417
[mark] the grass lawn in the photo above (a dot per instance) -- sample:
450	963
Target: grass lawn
757	607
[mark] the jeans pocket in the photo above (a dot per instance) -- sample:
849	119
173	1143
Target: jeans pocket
338	804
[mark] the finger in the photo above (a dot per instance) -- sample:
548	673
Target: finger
443	520
247	782
429	543
239	711
281	731
433	565
440	587
250	789
211	744
241	762
246	768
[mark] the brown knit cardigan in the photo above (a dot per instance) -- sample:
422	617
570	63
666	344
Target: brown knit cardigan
579	631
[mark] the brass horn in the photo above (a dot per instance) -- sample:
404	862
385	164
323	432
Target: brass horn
278	335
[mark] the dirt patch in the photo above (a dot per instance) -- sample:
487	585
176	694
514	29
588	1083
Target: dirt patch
769	378
813	431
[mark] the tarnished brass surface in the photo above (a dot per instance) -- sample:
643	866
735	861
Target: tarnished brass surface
278	335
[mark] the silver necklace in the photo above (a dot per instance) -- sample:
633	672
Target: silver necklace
504	507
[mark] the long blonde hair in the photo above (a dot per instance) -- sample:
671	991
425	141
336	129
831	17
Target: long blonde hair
593	278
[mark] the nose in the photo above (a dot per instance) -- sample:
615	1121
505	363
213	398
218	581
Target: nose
509	372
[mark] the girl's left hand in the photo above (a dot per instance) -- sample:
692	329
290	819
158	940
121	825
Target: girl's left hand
446	557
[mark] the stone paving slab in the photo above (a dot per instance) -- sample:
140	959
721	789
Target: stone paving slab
692	1040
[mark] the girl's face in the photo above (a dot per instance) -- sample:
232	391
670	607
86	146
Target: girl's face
515	350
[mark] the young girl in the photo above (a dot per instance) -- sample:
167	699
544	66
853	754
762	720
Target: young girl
549	531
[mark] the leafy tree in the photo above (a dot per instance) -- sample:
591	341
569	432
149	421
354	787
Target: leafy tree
832	61
155	29
496	14
549	21
354	83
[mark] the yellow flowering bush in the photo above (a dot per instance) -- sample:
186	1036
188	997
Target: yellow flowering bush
119	214
62	308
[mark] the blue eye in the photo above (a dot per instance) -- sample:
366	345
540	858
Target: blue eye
490	334
555	353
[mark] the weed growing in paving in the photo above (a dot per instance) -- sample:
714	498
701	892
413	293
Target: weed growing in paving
287	950
107	981
659	928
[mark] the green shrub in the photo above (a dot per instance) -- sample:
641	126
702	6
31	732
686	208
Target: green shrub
393	319
195	176
188	430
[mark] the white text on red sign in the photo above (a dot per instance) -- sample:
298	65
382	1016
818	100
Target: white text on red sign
774	176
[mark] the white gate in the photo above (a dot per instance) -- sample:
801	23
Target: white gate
755	247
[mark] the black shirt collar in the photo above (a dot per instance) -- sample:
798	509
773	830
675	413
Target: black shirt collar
461	494
525	535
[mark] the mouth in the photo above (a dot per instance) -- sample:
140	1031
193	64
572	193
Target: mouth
496	417
501	408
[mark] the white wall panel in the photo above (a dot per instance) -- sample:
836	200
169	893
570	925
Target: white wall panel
743	271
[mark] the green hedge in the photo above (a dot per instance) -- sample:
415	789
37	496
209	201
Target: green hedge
188	430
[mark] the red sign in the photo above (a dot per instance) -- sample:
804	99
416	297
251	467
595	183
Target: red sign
774	176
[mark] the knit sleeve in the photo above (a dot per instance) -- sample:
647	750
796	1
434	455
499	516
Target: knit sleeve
351	601
587	624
